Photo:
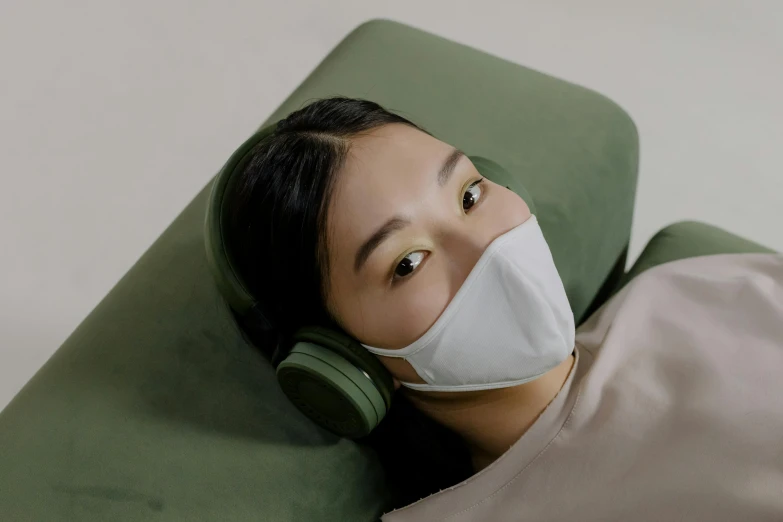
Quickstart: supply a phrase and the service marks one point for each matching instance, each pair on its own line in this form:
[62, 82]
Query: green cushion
[690, 239]
[157, 409]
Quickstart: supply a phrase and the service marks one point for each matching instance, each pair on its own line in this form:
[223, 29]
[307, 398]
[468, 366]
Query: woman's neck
[491, 421]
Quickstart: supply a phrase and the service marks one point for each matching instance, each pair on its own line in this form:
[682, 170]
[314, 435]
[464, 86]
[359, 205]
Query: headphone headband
[219, 256]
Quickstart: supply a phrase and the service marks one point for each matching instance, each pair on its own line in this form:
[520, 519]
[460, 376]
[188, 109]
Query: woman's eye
[472, 195]
[408, 264]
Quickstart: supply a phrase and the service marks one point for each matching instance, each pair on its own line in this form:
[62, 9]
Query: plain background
[114, 114]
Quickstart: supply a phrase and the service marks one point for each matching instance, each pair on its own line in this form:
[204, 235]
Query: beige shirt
[673, 410]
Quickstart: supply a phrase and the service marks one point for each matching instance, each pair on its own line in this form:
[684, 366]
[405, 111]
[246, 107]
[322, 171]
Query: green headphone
[327, 374]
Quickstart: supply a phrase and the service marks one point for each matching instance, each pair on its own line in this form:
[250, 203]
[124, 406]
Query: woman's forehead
[387, 165]
[391, 146]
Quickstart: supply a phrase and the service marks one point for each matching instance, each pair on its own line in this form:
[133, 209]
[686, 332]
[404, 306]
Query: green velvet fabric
[157, 409]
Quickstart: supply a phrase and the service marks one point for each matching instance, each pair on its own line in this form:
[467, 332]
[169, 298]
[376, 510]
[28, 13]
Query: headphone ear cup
[331, 391]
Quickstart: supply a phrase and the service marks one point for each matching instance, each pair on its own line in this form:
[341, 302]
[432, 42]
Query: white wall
[114, 114]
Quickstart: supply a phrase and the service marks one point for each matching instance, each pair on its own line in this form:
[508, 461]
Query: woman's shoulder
[719, 266]
[705, 282]
[741, 283]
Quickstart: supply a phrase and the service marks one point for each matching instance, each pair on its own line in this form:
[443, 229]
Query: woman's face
[409, 218]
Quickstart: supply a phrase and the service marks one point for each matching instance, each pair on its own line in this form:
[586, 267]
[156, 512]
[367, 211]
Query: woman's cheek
[417, 308]
[394, 318]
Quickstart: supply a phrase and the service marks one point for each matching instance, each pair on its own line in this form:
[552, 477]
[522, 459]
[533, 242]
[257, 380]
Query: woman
[667, 404]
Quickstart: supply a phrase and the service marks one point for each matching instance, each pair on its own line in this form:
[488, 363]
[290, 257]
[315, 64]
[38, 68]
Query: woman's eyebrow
[447, 169]
[394, 224]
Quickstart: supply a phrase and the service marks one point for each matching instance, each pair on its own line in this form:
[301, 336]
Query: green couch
[156, 408]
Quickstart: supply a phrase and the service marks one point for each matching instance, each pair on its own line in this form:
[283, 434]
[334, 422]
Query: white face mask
[508, 324]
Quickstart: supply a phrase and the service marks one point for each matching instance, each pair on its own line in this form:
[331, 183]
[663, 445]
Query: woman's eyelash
[471, 195]
[408, 265]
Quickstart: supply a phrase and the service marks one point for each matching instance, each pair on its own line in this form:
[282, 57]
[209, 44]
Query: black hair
[277, 237]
